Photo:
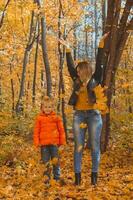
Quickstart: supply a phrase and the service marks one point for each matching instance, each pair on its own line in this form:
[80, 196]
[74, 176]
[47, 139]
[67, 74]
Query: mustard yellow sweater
[83, 102]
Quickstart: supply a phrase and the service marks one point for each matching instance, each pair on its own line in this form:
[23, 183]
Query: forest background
[32, 64]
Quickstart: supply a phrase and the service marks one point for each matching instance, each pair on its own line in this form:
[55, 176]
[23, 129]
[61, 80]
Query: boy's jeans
[49, 152]
[92, 119]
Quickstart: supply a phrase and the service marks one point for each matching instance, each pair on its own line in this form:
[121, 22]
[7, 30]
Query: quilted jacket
[49, 129]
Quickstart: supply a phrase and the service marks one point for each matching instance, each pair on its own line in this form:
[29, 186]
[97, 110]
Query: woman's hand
[101, 43]
[105, 35]
[65, 43]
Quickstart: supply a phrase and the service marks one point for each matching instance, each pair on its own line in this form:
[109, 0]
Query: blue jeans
[93, 122]
[49, 152]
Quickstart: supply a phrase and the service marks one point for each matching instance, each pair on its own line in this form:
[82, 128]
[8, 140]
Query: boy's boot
[94, 178]
[77, 178]
[46, 175]
[56, 172]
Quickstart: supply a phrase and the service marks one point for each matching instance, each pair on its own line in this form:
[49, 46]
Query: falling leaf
[83, 125]
[126, 85]
[62, 96]
[68, 110]
[101, 100]
[32, 162]
[55, 161]
[80, 147]
[52, 182]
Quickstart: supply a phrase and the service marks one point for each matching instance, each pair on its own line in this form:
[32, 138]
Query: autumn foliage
[21, 47]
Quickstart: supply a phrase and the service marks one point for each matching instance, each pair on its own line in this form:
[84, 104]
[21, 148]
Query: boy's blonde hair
[47, 99]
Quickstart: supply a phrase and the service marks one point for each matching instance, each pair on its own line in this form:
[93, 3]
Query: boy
[49, 134]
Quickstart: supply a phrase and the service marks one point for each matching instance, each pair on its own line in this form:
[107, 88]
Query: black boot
[94, 178]
[77, 178]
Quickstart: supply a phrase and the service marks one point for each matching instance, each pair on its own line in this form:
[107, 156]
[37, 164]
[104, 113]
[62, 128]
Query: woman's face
[84, 73]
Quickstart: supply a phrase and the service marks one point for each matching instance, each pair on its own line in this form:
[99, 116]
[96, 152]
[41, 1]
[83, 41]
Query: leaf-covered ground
[21, 173]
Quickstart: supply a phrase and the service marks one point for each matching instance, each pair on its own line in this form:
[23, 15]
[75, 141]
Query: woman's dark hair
[83, 65]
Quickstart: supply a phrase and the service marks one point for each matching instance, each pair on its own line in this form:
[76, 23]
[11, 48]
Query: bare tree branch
[124, 18]
[130, 25]
[3, 14]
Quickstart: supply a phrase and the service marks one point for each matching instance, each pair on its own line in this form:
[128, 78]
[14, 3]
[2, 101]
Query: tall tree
[61, 63]
[31, 39]
[44, 50]
[96, 25]
[104, 6]
[119, 26]
[35, 67]
[3, 13]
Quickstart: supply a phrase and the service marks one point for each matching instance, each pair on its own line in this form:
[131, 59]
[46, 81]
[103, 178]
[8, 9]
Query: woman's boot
[77, 178]
[94, 178]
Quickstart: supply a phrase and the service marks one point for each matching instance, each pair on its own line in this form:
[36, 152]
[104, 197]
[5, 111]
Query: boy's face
[47, 107]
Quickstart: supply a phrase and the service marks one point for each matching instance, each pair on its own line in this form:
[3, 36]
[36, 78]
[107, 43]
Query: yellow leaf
[62, 96]
[32, 162]
[125, 85]
[52, 182]
[101, 99]
[80, 148]
[55, 161]
[83, 125]
[68, 110]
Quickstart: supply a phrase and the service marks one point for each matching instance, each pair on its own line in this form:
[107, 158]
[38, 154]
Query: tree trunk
[103, 14]
[3, 14]
[61, 62]
[127, 90]
[45, 57]
[96, 26]
[19, 106]
[44, 51]
[75, 44]
[35, 68]
[12, 90]
[0, 85]
[113, 50]
[86, 37]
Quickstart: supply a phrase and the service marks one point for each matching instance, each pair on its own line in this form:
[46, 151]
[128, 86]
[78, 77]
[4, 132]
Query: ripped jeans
[83, 120]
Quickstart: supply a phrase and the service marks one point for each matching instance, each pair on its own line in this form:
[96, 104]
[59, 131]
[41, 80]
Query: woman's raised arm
[69, 59]
[99, 59]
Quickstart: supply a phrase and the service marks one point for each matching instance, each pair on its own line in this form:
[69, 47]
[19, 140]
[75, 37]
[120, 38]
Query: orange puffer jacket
[49, 130]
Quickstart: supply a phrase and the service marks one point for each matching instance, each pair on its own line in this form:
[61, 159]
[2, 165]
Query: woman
[85, 116]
